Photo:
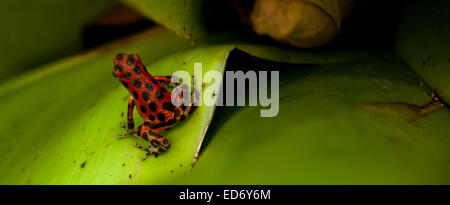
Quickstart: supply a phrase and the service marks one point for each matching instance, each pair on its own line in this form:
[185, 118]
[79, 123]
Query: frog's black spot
[154, 81]
[151, 117]
[146, 123]
[182, 117]
[137, 69]
[149, 86]
[144, 135]
[119, 57]
[159, 95]
[127, 75]
[130, 125]
[114, 74]
[161, 117]
[135, 95]
[145, 95]
[163, 90]
[143, 109]
[137, 84]
[130, 59]
[118, 68]
[177, 112]
[152, 106]
[169, 106]
[124, 84]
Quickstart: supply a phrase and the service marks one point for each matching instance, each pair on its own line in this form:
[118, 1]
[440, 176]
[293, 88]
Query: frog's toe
[127, 134]
[121, 136]
[123, 125]
[151, 150]
[131, 132]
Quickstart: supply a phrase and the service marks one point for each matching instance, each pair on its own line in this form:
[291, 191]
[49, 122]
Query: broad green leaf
[338, 123]
[353, 119]
[61, 122]
[37, 32]
[184, 17]
[64, 117]
[423, 41]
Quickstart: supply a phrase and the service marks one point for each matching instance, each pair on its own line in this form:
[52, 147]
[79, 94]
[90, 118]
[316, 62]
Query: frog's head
[126, 66]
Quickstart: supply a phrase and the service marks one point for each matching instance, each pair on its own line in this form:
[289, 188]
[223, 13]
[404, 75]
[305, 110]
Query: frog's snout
[124, 64]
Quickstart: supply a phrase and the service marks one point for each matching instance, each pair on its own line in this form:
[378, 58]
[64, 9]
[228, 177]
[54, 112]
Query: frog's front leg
[150, 150]
[130, 120]
[156, 142]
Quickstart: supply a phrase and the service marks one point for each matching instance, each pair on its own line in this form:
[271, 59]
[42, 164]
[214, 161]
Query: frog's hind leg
[156, 143]
[150, 150]
[155, 139]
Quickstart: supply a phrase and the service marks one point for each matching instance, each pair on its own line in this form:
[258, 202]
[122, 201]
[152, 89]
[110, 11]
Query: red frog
[152, 98]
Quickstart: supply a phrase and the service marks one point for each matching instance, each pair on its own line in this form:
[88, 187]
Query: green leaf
[61, 122]
[423, 39]
[345, 118]
[37, 32]
[328, 132]
[184, 17]
[63, 119]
